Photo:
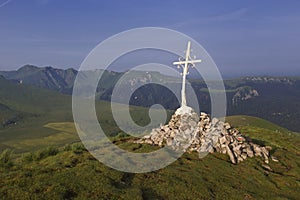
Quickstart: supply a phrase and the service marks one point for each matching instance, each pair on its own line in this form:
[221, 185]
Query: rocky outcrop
[180, 133]
[188, 132]
[243, 94]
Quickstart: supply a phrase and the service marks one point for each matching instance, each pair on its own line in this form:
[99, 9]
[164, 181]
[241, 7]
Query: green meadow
[70, 172]
[41, 157]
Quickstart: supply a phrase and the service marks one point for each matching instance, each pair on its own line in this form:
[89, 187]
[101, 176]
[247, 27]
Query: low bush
[78, 148]
[49, 151]
[6, 157]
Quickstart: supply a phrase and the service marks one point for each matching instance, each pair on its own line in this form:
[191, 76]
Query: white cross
[185, 64]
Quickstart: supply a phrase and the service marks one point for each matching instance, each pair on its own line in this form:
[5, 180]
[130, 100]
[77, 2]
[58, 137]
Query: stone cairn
[189, 132]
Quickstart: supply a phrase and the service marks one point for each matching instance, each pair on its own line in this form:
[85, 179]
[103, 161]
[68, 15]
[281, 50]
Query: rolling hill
[49, 162]
[25, 110]
[28, 113]
[72, 173]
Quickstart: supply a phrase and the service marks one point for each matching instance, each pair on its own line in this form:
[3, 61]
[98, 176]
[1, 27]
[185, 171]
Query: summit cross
[185, 64]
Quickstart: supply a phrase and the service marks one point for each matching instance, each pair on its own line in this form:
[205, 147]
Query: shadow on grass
[259, 142]
[149, 194]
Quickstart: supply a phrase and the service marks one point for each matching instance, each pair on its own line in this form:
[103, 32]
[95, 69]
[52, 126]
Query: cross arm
[188, 62]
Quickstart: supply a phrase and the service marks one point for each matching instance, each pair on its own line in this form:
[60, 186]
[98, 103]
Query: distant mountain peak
[28, 67]
[71, 69]
[49, 68]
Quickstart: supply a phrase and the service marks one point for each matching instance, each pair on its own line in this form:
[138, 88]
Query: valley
[272, 98]
[40, 147]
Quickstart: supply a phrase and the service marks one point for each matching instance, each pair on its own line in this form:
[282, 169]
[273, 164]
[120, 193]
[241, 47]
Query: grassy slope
[74, 174]
[34, 108]
[265, 132]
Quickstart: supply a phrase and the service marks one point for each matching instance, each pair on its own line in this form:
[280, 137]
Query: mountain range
[273, 98]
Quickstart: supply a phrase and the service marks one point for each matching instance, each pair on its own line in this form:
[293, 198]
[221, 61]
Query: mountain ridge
[245, 95]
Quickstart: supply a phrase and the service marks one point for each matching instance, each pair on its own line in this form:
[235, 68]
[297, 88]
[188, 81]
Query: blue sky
[243, 37]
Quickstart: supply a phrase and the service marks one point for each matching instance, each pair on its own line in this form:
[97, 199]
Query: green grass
[36, 132]
[265, 132]
[47, 164]
[69, 175]
[243, 120]
[72, 173]
[23, 139]
[44, 117]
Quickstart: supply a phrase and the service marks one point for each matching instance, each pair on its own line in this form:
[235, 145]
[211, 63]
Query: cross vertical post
[185, 64]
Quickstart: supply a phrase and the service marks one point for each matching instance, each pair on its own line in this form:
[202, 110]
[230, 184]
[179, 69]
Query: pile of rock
[188, 132]
[179, 133]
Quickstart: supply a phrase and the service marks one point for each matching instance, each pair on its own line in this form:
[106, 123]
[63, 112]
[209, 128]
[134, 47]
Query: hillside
[25, 110]
[28, 114]
[266, 133]
[272, 98]
[72, 173]
[49, 163]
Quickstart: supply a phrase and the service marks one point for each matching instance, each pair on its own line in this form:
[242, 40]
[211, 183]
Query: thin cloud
[237, 14]
[230, 16]
[4, 3]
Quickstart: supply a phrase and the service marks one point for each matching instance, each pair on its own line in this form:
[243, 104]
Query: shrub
[49, 151]
[28, 157]
[78, 148]
[68, 147]
[6, 157]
